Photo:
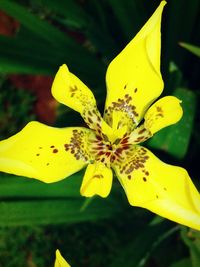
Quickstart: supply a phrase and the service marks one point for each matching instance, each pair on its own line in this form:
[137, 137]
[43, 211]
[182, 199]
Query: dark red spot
[98, 176]
[98, 118]
[52, 146]
[98, 137]
[135, 90]
[109, 147]
[129, 177]
[142, 131]
[159, 109]
[101, 153]
[113, 158]
[119, 150]
[90, 120]
[77, 156]
[66, 147]
[125, 147]
[144, 179]
[125, 140]
[55, 150]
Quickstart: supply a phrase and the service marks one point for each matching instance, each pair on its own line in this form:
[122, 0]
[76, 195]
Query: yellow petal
[69, 90]
[60, 261]
[97, 180]
[163, 113]
[133, 77]
[161, 188]
[45, 153]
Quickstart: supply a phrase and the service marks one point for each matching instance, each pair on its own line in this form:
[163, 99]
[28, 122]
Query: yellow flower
[60, 261]
[133, 83]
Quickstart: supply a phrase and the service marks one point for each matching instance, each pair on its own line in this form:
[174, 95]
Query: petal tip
[63, 68]
[163, 3]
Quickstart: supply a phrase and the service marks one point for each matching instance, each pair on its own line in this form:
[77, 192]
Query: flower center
[108, 152]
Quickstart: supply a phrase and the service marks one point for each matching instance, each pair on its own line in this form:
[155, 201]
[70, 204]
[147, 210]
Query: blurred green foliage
[9, 96]
[192, 48]
[87, 34]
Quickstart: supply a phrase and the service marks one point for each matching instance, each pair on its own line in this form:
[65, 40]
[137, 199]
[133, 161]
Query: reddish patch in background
[8, 25]
[45, 104]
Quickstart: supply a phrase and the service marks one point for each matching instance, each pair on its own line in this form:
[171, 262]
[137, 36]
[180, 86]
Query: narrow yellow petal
[60, 261]
[161, 188]
[45, 153]
[69, 90]
[162, 113]
[135, 73]
[97, 180]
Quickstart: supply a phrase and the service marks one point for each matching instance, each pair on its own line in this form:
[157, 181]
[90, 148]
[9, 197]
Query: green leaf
[20, 56]
[45, 56]
[175, 79]
[74, 16]
[193, 49]
[192, 239]
[182, 263]
[38, 212]
[13, 187]
[26, 201]
[181, 21]
[130, 15]
[32, 57]
[37, 26]
[136, 253]
[175, 139]
[70, 10]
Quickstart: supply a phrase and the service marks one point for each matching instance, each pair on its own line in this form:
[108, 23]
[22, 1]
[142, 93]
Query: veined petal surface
[45, 153]
[97, 180]
[161, 188]
[162, 113]
[60, 261]
[72, 92]
[133, 78]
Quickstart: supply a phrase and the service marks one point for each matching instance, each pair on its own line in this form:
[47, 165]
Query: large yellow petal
[161, 188]
[133, 78]
[162, 113]
[69, 90]
[60, 261]
[97, 180]
[45, 153]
